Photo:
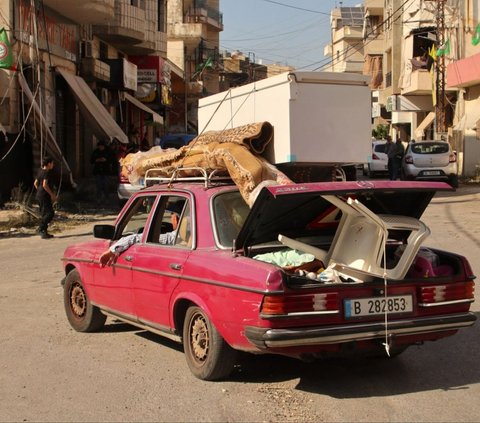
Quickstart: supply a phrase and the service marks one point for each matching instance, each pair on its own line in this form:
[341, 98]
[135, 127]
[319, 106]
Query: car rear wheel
[208, 356]
[82, 315]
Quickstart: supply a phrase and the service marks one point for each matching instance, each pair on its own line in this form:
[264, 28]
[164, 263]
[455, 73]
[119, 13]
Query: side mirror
[104, 231]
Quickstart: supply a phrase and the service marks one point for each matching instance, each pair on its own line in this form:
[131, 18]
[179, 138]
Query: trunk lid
[292, 209]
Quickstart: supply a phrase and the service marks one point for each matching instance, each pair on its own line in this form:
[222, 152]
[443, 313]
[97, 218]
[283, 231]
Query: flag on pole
[433, 55]
[6, 56]
[476, 36]
[444, 49]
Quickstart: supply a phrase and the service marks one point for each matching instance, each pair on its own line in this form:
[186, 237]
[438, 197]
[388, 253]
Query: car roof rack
[208, 176]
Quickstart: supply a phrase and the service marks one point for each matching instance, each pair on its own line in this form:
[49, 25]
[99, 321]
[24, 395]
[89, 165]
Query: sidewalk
[16, 221]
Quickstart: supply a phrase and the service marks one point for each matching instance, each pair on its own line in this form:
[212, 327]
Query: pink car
[311, 270]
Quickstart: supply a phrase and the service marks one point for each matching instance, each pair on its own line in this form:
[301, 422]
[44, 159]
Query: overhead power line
[351, 49]
[297, 8]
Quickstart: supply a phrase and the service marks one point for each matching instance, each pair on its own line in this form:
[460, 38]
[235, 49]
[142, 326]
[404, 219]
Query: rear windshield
[230, 212]
[380, 148]
[430, 148]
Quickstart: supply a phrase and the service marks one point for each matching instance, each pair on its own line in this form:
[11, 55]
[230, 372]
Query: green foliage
[380, 132]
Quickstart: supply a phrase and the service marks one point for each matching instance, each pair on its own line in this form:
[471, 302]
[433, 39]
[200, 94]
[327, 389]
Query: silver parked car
[430, 160]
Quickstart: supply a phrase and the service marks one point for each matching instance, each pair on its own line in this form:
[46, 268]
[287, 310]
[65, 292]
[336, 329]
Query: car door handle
[175, 266]
[128, 258]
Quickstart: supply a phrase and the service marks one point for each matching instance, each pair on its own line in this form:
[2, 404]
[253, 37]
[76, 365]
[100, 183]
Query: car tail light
[451, 293]
[375, 157]
[409, 159]
[452, 158]
[291, 305]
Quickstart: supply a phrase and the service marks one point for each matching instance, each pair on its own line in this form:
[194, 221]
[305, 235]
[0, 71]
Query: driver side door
[114, 283]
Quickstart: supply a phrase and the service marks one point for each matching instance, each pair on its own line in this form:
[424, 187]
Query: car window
[229, 213]
[172, 222]
[137, 216]
[380, 148]
[430, 148]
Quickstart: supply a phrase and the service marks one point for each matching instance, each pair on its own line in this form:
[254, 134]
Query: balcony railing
[204, 14]
[388, 79]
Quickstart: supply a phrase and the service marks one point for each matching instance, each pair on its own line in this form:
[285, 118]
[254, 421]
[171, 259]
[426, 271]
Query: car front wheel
[82, 315]
[208, 356]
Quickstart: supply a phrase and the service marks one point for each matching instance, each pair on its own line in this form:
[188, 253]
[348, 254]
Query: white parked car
[378, 161]
[430, 160]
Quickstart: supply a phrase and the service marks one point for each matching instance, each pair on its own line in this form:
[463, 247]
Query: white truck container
[318, 117]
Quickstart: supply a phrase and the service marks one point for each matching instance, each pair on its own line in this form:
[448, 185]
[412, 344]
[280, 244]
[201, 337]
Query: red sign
[151, 69]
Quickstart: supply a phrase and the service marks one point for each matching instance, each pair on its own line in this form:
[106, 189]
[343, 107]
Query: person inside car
[109, 256]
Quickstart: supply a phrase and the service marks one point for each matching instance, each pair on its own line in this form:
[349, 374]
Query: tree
[380, 132]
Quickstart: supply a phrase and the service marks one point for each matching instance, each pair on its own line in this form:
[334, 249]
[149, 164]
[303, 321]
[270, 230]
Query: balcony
[191, 34]
[419, 83]
[374, 7]
[204, 15]
[348, 33]
[94, 69]
[127, 27]
[95, 12]
[374, 46]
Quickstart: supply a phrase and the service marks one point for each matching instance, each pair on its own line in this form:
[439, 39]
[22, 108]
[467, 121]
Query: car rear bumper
[429, 173]
[265, 338]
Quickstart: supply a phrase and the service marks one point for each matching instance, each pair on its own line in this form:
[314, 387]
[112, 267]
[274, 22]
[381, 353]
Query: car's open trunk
[356, 233]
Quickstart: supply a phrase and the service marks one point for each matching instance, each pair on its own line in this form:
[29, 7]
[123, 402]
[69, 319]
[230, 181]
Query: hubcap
[78, 301]
[199, 337]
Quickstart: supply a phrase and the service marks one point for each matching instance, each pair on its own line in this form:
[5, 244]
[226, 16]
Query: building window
[103, 50]
[162, 16]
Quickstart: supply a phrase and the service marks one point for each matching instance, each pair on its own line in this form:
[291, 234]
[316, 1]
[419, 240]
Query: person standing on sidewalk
[101, 161]
[45, 196]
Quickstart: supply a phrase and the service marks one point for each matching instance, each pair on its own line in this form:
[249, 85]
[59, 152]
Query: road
[51, 373]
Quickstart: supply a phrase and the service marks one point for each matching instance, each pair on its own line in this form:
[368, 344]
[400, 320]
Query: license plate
[360, 307]
[431, 172]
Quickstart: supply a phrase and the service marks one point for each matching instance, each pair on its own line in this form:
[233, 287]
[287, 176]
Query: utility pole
[440, 63]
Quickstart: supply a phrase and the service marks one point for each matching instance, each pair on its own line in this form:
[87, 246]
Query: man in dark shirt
[45, 196]
[102, 166]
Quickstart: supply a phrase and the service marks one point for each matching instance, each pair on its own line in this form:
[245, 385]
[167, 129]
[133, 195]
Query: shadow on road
[448, 364]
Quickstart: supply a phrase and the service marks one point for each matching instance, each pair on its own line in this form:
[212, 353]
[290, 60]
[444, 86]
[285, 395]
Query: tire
[369, 172]
[82, 315]
[208, 356]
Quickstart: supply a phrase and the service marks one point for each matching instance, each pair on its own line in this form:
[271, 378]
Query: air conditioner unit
[86, 48]
[105, 96]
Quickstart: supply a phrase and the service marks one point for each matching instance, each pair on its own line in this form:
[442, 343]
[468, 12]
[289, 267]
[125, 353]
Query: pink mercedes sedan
[311, 270]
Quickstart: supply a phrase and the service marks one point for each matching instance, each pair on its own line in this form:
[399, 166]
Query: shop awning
[176, 70]
[469, 121]
[40, 122]
[424, 125]
[137, 103]
[102, 123]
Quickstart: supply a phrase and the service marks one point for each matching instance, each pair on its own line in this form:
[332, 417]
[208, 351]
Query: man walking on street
[45, 196]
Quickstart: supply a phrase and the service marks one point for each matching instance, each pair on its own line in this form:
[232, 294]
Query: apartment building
[99, 69]
[421, 56]
[346, 47]
[193, 29]
[463, 75]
